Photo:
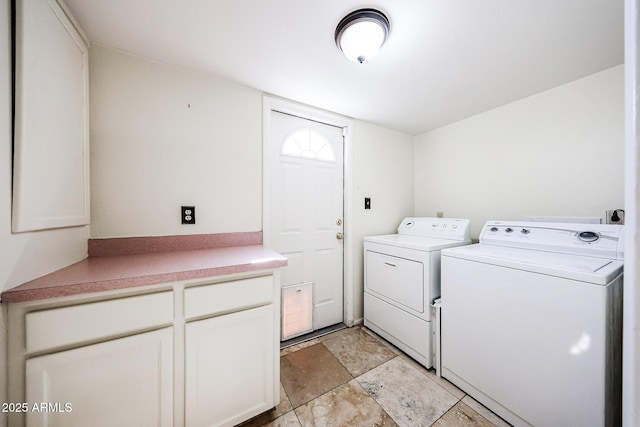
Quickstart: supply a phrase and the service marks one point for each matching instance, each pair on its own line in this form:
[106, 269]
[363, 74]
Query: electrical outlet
[439, 214]
[188, 214]
[615, 216]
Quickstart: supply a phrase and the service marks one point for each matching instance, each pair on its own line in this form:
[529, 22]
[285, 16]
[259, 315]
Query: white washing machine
[402, 278]
[532, 325]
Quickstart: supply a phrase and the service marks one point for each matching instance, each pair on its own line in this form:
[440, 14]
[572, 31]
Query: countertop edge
[25, 293]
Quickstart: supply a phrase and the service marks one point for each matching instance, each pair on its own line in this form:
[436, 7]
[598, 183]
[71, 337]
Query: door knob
[339, 236]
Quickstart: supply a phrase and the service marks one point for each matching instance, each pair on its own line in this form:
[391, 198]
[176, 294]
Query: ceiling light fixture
[360, 34]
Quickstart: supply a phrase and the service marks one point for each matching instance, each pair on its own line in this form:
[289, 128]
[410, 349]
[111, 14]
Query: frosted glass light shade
[361, 34]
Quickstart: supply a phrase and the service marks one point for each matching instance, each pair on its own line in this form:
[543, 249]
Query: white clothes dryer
[402, 279]
[532, 325]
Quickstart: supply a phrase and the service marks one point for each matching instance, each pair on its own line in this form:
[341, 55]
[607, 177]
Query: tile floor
[355, 378]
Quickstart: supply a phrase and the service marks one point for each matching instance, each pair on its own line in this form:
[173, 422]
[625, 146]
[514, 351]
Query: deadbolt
[339, 221]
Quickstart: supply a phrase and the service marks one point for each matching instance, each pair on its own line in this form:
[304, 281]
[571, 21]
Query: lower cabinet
[122, 382]
[197, 353]
[229, 362]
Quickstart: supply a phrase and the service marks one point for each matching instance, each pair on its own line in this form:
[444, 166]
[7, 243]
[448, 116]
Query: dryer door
[397, 279]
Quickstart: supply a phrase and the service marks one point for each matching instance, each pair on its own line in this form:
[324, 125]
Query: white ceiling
[445, 60]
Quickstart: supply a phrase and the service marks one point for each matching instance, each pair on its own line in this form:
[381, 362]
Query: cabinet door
[51, 158]
[124, 382]
[230, 367]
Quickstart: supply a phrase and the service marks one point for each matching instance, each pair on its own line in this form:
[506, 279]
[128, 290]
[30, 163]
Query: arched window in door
[309, 145]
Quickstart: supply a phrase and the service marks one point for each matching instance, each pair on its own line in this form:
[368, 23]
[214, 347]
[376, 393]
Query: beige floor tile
[311, 372]
[324, 393]
[409, 397]
[287, 420]
[387, 344]
[358, 351]
[283, 407]
[431, 374]
[482, 410]
[462, 416]
[300, 346]
[347, 405]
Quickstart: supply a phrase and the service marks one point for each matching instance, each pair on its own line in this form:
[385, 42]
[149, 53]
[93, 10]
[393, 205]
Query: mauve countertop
[105, 273]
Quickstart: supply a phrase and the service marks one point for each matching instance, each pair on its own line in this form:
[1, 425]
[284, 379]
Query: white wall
[23, 256]
[382, 170]
[151, 153]
[557, 153]
[163, 137]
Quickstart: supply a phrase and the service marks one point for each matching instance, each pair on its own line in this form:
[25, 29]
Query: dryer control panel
[597, 240]
[441, 228]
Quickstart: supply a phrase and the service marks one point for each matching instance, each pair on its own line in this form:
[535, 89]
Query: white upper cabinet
[51, 130]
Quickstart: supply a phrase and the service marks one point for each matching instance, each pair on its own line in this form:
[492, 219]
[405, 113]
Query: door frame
[631, 300]
[270, 104]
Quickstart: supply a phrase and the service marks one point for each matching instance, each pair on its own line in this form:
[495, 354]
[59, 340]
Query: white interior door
[307, 209]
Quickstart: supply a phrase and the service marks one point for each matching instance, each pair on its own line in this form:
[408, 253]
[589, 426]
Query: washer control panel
[443, 228]
[600, 240]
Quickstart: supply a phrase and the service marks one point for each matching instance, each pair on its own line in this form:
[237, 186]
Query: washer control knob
[494, 229]
[454, 226]
[509, 230]
[588, 236]
[525, 231]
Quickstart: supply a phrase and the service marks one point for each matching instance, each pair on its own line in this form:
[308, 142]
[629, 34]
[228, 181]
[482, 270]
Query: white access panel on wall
[51, 158]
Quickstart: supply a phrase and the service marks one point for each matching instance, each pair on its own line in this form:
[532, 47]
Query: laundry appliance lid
[576, 267]
[421, 243]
